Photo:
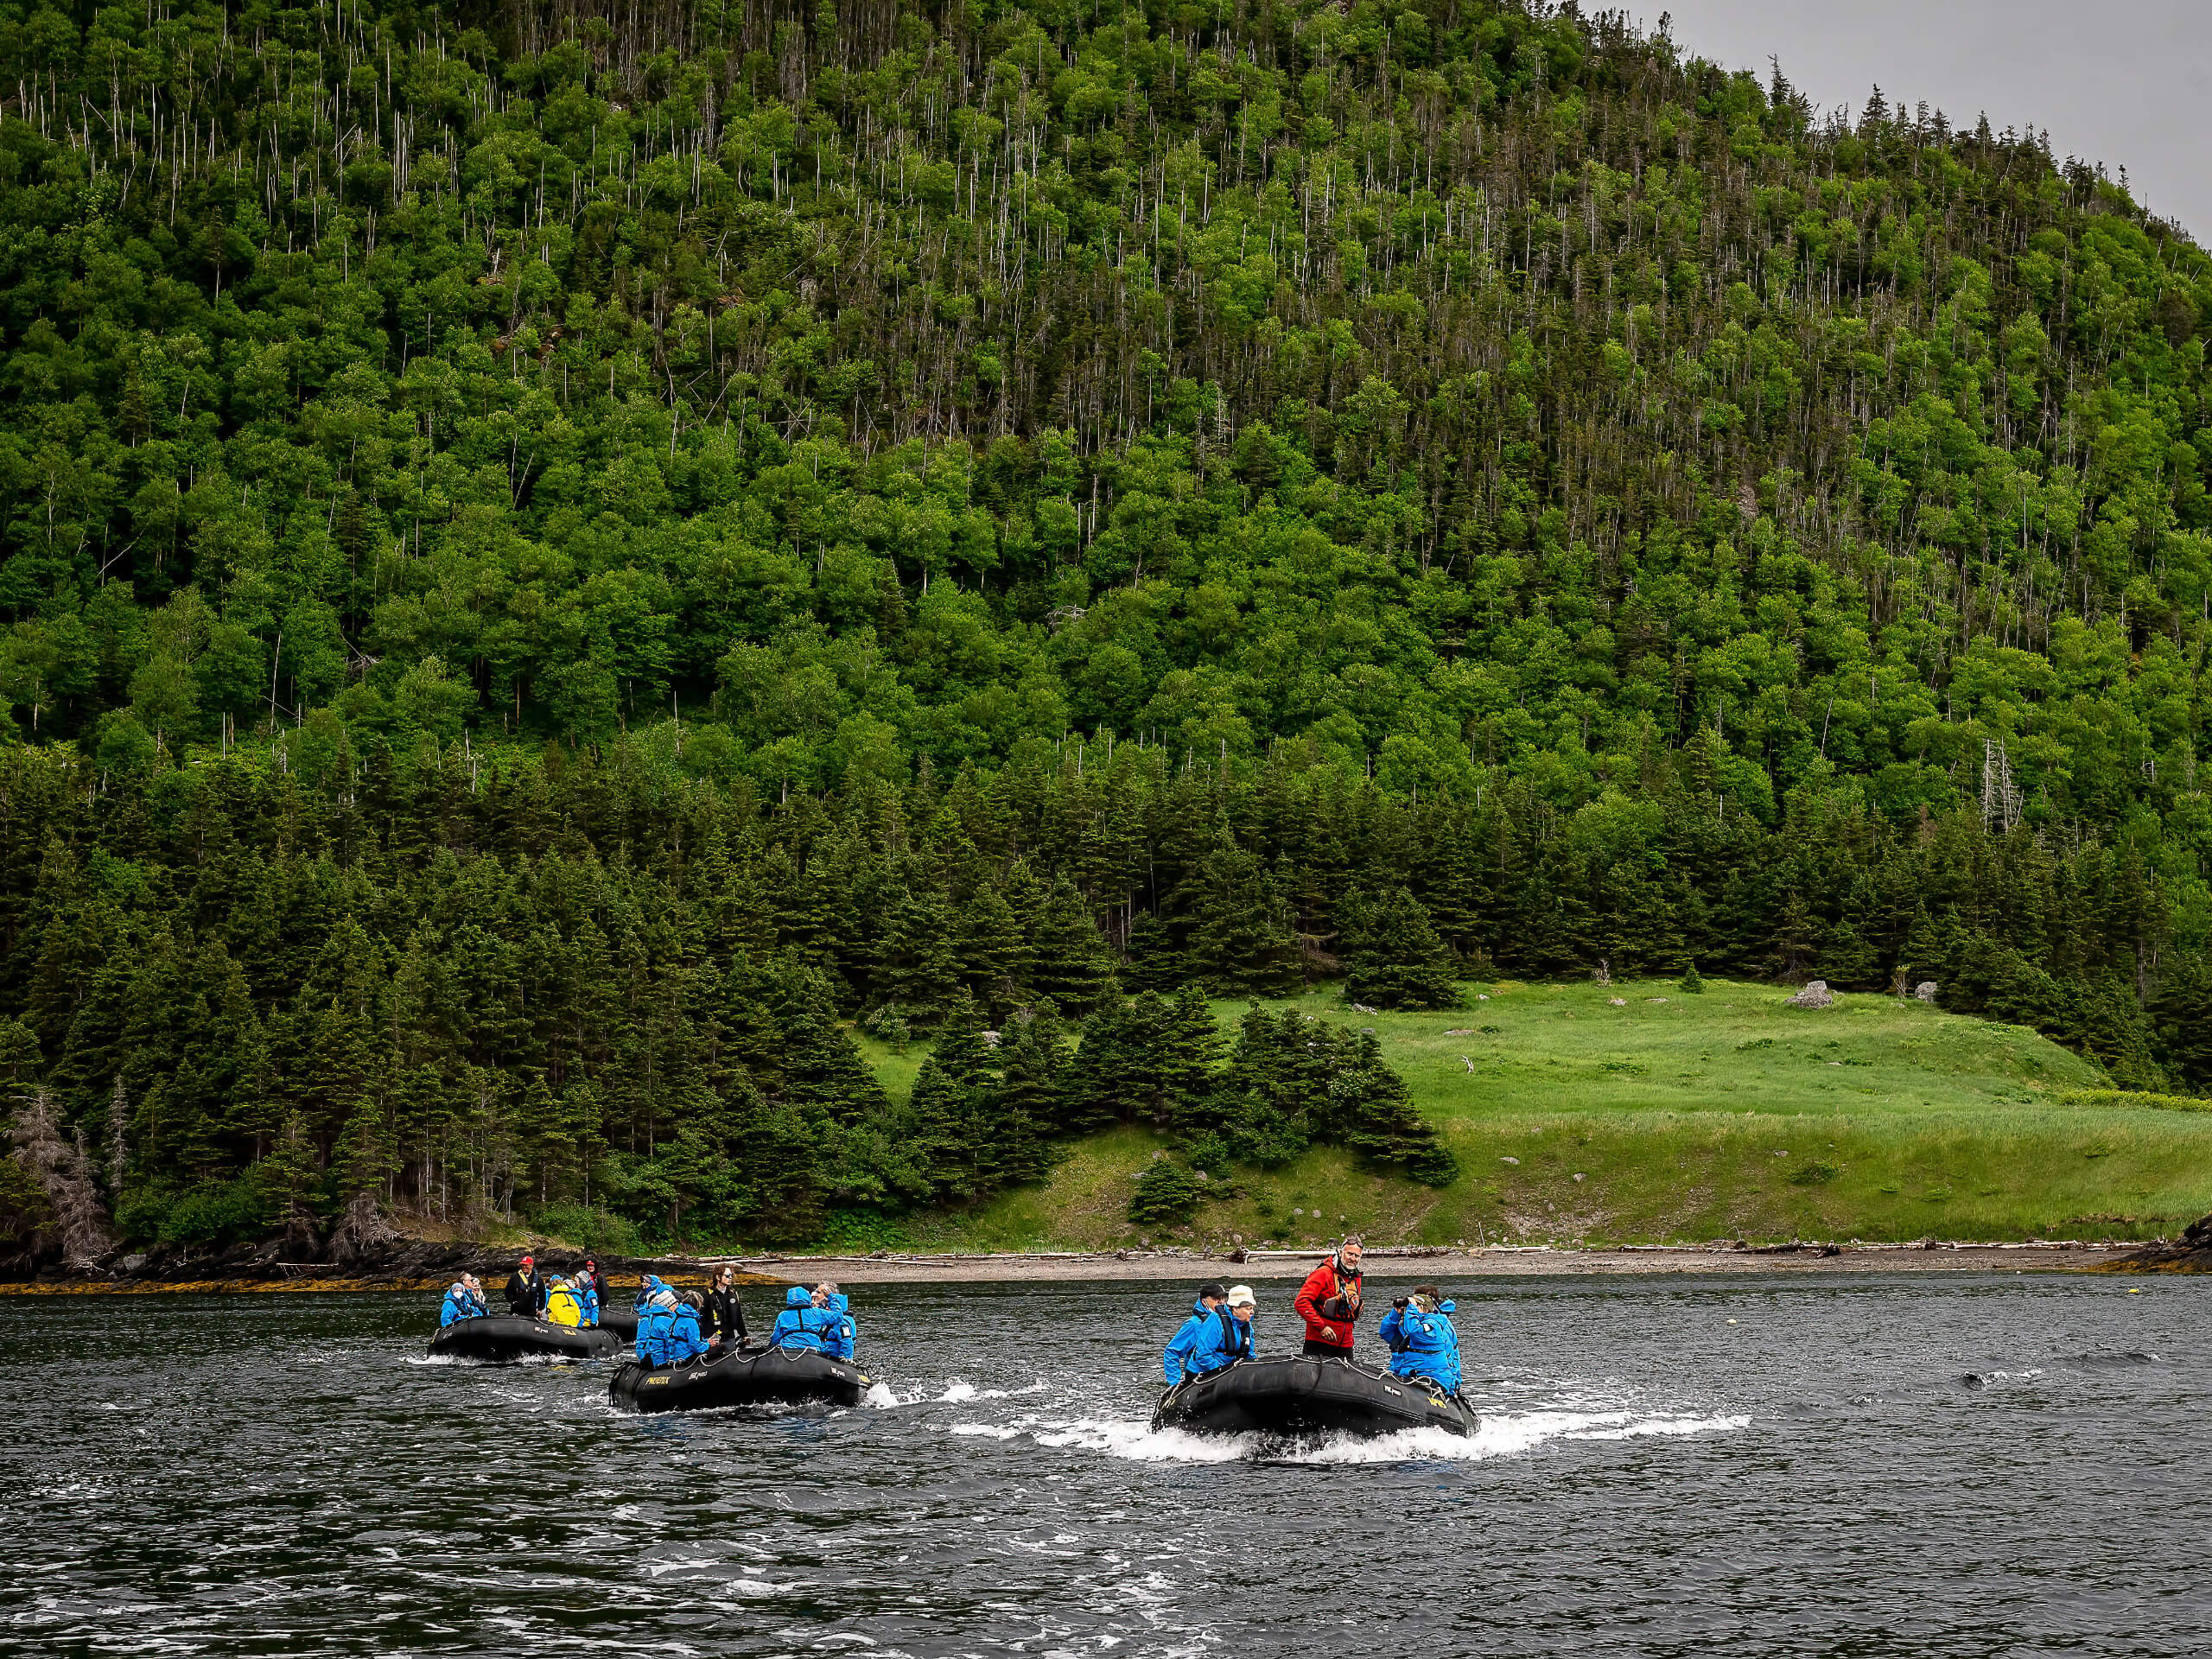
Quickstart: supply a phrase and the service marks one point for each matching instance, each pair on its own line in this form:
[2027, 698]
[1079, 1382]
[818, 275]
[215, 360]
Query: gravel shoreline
[1502, 1261]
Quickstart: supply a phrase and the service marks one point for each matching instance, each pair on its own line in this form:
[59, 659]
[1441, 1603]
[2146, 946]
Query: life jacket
[564, 1306]
[1330, 1297]
[1236, 1336]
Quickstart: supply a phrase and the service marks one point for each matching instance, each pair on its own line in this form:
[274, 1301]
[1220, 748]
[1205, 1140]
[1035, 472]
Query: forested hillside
[554, 553]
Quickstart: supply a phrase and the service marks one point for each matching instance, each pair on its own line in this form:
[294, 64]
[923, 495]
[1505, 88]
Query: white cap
[1241, 1296]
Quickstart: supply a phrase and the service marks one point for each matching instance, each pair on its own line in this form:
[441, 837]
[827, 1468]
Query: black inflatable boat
[503, 1337]
[749, 1377]
[1300, 1398]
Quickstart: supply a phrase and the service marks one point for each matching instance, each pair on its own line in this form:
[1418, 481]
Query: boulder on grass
[1815, 995]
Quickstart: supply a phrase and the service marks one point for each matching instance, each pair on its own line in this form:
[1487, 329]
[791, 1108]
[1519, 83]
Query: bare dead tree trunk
[63, 1169]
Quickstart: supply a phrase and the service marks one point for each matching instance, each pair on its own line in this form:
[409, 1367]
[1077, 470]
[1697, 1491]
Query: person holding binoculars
[1423, 1344]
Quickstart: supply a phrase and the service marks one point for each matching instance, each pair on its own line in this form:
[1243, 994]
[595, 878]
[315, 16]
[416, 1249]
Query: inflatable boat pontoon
[501, 1338]
[748, 1377]
[1302, 1398]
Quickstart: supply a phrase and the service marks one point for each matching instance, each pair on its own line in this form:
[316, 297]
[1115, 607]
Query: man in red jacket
[1329, 1302]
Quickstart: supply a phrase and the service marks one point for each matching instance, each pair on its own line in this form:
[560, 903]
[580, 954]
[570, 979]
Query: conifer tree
[1378, 1116]
[945, 1114]
[1068, 962]
[1240, 936]
[993, 953]
[918, 971]
[822, 1074]
[1393, 959]
[1026, 1105]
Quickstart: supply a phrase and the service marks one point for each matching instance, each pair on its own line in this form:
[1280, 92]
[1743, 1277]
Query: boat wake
[1499, 1436]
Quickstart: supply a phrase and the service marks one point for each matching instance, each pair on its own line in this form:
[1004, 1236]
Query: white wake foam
[1498, 1436]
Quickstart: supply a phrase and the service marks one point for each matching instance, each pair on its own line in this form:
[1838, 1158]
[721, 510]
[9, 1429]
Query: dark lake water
[1667, 1466]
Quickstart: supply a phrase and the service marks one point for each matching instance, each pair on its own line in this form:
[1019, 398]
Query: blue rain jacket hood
[1423, 1345]
[462, 1303]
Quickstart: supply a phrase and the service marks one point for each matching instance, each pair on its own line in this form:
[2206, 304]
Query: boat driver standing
[1329, 1302]
[526, 1291]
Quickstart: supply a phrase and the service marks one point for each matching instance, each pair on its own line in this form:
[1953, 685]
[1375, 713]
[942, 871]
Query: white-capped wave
[1143, 1444]
[958, 1393]
[986, 1431]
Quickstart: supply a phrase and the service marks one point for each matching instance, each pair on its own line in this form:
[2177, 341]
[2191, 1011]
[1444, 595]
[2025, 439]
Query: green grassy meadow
[1633, 1113]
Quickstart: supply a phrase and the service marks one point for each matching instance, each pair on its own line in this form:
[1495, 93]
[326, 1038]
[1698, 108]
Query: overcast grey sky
[2124, 82]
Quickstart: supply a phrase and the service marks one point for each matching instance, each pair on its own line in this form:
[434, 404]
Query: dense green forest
[554, 555]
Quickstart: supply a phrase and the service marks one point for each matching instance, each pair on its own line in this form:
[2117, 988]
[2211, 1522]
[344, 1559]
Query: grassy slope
[1725, 1114]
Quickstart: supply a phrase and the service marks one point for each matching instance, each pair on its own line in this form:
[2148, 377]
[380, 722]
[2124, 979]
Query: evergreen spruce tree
[1154, 962]
[822, 1074]
[918, 971]
[1393, 959]
[1240, 937]
[1068, 962]
[1189, 1045]
[1379, 1119]
[993, 953]
[945, 1113]
[1166, 1194]
[19, 1055]
[1026, 1105]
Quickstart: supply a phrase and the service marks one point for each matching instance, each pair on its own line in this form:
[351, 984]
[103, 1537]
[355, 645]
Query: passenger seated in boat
[655, 1309]
[1423, 1344]
[1218, 1334]
[816, 1320]
[682, 1339]
[571, 1301]
[464, 1301]
[589, 1274]
[839, 1340]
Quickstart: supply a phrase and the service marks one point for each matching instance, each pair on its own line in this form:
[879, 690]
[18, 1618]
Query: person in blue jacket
[587, 1293]
[839, 1338]
[681, 1338]
[1423, 1344]
[793, 1328]
[815, 1319]
[656, 1312]
[1175, 1360]
[1218, 1333]
[464, 1301]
